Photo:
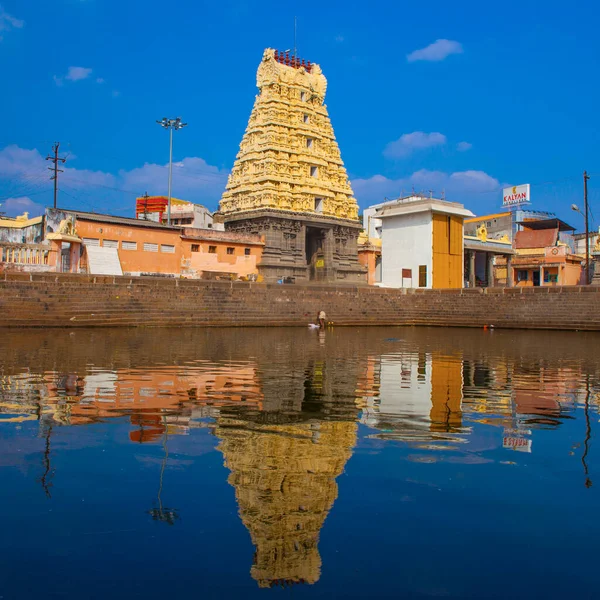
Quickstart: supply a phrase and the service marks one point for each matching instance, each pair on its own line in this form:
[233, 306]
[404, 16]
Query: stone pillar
[510, 280]
[74, 256]
[490, 269]
[58, 257]
[471, 268]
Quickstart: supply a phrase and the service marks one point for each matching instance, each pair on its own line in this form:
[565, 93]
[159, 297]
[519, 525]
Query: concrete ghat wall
[50, 300]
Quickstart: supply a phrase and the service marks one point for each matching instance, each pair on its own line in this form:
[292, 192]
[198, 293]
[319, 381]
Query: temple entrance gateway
[288, 183]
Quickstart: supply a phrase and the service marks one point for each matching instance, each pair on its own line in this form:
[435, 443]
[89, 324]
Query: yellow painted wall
[447, 251]
[446, 392]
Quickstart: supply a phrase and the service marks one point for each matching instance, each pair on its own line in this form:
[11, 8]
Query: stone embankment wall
[50, 300]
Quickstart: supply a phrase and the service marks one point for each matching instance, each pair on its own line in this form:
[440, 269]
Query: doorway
[315, 256]
[536, 277]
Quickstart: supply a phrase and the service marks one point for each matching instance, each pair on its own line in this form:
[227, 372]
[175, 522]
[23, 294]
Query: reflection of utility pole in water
[162, 513]
[47, 476]
[588, 433]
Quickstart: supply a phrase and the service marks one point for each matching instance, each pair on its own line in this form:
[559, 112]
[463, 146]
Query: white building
[422, 242]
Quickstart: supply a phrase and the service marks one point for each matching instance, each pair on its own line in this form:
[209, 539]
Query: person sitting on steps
[322, 319]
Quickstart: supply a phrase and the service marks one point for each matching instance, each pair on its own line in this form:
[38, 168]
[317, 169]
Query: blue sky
[463, 96]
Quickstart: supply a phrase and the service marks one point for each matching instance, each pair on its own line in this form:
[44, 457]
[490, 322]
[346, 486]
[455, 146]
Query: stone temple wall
[52, 300]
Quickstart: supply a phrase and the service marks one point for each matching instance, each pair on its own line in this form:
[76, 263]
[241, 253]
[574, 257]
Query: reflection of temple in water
[284, 463]
[284, 480]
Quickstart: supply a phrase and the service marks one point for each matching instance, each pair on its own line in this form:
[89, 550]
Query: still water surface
[381, 462]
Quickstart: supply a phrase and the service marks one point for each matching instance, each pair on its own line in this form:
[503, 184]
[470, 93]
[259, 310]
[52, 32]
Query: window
[422, 275]
[319, 205]
[309, 142]
[110, 243]
[305, 118]
[314, 171]
[303, 96]
[167, 248]
[91, 242]
[522, 275]
[128, 245]
[195, 247]
[212, 249]
[247, 251]
[550, 277]
[230, 250]
[150, 247]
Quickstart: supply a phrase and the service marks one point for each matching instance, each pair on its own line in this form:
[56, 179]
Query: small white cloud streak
[78, 73]
[8, 22]
[411, 142]
[439, 50]
[463, 146]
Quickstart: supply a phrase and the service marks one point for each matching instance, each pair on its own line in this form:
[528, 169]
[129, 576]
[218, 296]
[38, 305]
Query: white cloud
[458, 186]
[439, 50]
[8, 22]
[463, 146]
[17, 206]
[100, 80]
[78, 73]
[409, 142]
[74, 74]
[193, 179]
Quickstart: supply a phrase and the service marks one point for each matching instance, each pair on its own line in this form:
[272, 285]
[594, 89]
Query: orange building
[541, 258]
[369, 255]
[104, 244]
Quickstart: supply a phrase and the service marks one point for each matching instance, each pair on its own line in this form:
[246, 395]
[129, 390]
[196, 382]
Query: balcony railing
[24, 254]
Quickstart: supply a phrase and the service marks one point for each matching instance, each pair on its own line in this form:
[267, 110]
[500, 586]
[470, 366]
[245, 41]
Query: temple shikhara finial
[288, 181]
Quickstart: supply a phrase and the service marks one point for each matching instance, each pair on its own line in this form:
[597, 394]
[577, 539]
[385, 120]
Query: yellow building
[288, 181]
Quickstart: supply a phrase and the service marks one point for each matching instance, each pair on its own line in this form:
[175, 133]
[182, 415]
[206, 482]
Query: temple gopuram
[288, 182]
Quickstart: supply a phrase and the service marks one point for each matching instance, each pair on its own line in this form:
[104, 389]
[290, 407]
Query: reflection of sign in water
[519, 444]
[517, 194]
[320, 263]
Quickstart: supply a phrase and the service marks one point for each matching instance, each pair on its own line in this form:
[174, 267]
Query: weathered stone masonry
[51, 300]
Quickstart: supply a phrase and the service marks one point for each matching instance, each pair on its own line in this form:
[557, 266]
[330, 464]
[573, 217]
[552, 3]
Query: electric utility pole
[587, 228]
[55, 159]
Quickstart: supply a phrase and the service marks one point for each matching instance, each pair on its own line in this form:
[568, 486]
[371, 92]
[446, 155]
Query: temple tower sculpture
[288, 182]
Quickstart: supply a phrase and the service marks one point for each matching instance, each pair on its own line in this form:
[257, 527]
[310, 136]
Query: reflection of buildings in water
[147, 395]
[419, 398]
[513, 394]
[284, 479]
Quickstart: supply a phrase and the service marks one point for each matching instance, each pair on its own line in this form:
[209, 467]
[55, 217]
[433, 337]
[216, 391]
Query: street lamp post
[585, 215]
[171, 124]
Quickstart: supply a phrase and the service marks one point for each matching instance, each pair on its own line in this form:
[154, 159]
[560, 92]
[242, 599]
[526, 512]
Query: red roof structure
[541, 238]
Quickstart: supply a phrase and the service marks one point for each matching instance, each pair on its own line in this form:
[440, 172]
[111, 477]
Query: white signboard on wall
[515, 195]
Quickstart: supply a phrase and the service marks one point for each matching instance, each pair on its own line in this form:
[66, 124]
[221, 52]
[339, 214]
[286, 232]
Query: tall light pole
[587, 226]
[171, 124]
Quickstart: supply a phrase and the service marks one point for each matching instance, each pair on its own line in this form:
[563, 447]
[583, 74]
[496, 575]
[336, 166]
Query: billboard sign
[515, 195]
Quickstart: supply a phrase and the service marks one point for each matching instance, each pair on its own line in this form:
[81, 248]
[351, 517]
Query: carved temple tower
[289, 183]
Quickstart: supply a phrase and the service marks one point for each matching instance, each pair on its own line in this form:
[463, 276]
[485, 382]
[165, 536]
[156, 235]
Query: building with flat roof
[183, 212]
[422, 243]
